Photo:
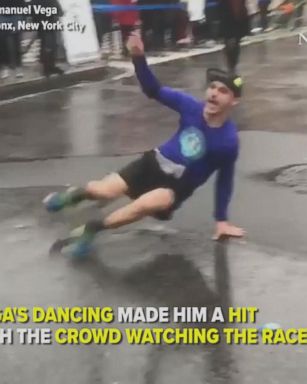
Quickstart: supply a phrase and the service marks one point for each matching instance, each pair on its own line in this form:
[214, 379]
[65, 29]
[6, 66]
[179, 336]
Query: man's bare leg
[148, 204]
[109, 188]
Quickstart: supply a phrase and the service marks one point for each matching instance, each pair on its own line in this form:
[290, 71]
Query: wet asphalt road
[73, 135]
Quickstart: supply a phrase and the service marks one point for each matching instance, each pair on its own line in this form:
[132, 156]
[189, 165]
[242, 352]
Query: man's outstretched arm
[223, 193]
[149, 83]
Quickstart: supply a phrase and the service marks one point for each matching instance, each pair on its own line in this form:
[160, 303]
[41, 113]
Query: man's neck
[215, 121]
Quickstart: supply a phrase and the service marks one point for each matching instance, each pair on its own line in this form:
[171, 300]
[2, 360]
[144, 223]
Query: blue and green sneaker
[82, 246]
[56, 201]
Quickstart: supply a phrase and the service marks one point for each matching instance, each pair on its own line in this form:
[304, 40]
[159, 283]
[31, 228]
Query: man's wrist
[137, 55]
[221, 222]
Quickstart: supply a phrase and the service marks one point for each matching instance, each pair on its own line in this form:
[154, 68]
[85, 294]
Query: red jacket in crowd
[126, 17]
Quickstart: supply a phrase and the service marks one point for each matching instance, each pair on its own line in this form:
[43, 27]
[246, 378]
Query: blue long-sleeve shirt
[200, 149]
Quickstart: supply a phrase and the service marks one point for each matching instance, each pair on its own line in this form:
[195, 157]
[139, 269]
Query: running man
[163, 178]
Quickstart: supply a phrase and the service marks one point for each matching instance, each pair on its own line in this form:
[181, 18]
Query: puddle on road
[293, 176]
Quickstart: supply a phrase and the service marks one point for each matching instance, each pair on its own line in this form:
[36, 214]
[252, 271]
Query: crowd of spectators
[198, 20]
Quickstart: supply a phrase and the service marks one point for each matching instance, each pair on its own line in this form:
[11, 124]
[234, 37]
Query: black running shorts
[144, 175]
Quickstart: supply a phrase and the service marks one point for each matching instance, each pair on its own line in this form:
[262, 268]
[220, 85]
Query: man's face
[219, 98]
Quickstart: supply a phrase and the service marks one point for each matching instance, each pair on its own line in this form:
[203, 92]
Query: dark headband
[233, 82]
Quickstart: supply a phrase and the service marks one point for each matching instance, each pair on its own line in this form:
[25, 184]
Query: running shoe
[56, 201]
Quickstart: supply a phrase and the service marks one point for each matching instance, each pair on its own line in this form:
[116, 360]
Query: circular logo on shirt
[192, 143]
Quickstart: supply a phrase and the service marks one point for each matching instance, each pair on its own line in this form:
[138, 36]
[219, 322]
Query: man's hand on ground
[135, 45]
[225, 229]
